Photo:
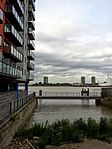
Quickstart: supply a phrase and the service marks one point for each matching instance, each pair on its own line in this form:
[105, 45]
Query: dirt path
[87, 144]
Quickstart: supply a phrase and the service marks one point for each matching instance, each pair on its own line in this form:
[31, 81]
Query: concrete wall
[106, 91]
[18, 121]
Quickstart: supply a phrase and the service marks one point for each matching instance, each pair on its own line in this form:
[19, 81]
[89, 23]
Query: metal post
[17, 93]
[26, 88]
[40, 92]
[10, 107]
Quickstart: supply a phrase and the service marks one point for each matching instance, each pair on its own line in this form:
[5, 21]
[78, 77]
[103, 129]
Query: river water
[53, 110]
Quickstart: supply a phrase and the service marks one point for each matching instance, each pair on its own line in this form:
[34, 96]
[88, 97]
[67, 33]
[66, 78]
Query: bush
[63, 131]
[25, 133]
[80, 125]
[103, 125]
[38, 129]
[92, 129]
[42, 144]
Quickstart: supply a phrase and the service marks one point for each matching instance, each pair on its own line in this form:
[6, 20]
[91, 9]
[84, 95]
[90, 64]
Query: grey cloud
[62, 65]
[81, 45]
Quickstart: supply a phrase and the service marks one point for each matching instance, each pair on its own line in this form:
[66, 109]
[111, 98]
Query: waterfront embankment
[106, 99]
[17, 119]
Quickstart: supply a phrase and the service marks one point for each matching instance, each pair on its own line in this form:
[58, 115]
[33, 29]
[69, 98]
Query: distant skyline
[73, 39]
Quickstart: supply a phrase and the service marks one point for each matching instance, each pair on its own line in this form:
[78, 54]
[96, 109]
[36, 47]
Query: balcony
[1, 16]
[32, 2]
[13, 17]
[19, 7]
[31, 35]
[11, 52]
[31, 45]
[31, 55]
[31, 12]
[30, 77]
[30, 66]
[31, 25]
[10, 71]
[13, 35]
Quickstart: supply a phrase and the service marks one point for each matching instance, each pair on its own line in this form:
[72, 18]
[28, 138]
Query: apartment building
[16, 43]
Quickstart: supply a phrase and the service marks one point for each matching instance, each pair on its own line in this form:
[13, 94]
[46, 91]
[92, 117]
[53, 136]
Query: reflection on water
[52, 110]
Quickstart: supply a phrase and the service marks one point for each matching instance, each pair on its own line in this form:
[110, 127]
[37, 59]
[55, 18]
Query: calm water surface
[53, 110]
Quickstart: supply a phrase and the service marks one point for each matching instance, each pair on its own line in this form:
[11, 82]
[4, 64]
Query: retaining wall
[106, 91]
[17, 121]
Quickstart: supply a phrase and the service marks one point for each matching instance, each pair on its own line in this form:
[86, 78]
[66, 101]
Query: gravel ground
[87, 144]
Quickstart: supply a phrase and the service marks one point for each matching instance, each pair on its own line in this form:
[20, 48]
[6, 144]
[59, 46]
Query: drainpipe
[17, 95]
[26, 88]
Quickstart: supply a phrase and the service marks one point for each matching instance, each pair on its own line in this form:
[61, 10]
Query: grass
[63, 131]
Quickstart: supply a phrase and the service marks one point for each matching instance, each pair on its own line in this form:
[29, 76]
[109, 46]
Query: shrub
[41, 144]
[56, 138]
[38, 129]
[92, 128]
[63, 131]
[80, 125]
[103, 125]
[25, 133]
[78, 136]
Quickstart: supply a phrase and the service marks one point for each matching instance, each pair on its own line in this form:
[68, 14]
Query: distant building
[82, 80]
[93, 80]
[108, 82]
[45, 80]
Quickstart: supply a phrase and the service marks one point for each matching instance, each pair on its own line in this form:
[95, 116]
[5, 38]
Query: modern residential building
[82, 80]
[16, 43]
[93, 80]
[45, 80]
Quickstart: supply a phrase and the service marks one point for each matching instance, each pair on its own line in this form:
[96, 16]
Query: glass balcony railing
[1, 16]
[31, 45]
[31, 55]
[30, 77]
[10, 9]
[13, 52]
[13, 35]
[30, 66]
[9, 70]
[31, 25]
[19, 6]
[31, 35]
[32, 2]
[31, 12]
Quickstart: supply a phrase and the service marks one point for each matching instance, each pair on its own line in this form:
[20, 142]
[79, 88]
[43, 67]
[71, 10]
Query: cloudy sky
[73, 39]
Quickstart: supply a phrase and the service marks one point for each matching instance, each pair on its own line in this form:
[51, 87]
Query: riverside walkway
[9, 105]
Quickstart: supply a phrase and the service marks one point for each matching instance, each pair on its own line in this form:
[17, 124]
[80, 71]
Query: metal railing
[71, 94]
[9, 70]
[7, 107]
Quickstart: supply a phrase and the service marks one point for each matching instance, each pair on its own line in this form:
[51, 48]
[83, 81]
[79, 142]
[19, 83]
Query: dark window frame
[1, 38]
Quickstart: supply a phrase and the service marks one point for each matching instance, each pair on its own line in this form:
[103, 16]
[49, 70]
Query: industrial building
[16, 43]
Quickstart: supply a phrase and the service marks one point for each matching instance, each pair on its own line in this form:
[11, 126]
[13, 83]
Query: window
[1, 16]
[24, 72]
[0, 41]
